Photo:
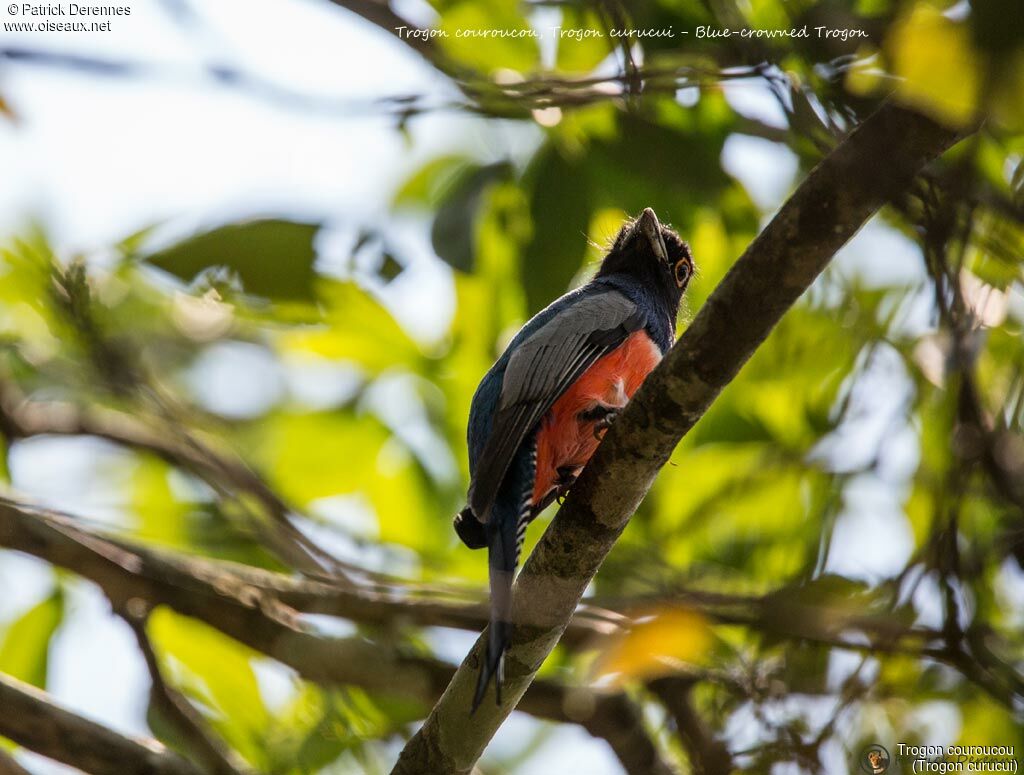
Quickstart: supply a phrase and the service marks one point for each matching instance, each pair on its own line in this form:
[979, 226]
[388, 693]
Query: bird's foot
[602, 417]
[602, 426]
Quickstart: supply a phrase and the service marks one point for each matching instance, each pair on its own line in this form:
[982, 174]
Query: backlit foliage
[890, 398]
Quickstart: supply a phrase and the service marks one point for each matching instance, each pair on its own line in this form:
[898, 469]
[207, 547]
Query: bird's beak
[651, 229]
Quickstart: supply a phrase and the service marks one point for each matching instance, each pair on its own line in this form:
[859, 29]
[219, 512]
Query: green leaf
[272, 258]
[585, 52]
[163, 518]
[166, 517]
[491, 53]
[132, 244]
[560, 209]
[994, 255]
[318, 725]
[357, 328]
[453, 234]
[936, 67]
[321, 454]
[217, 673]
[432, 182]
[5, 471]
[324, 454]
[24, 652]
[26, 266]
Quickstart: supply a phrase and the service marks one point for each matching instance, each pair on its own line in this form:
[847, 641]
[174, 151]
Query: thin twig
[216, 757]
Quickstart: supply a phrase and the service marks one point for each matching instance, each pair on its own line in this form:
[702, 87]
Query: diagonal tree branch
[32, 720]
[873, 164]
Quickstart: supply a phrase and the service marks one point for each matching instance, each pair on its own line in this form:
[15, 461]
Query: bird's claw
[602, 425]
[602, 416]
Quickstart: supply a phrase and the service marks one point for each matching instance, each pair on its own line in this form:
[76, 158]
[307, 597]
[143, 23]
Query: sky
[94, 159]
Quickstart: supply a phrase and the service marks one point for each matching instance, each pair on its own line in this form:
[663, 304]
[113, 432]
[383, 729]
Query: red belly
[565, 441]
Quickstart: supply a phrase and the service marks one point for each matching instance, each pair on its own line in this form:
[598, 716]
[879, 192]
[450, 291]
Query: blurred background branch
[210, 750]
[245, 605]
[31, 720]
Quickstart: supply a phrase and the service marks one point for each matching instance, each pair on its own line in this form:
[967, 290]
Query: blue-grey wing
[538, 371]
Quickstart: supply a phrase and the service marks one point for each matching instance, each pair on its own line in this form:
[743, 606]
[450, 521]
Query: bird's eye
[682, 271]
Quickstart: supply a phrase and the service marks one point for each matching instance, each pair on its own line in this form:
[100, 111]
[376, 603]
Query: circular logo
[874, 760]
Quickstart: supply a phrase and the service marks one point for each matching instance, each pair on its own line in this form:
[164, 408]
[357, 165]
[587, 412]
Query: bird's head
[653, 254]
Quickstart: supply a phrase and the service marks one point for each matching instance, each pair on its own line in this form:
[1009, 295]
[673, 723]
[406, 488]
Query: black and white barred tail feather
[505, 531]
[527, 511]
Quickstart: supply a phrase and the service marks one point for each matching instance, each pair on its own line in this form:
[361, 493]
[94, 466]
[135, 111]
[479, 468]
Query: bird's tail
[505, 531]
